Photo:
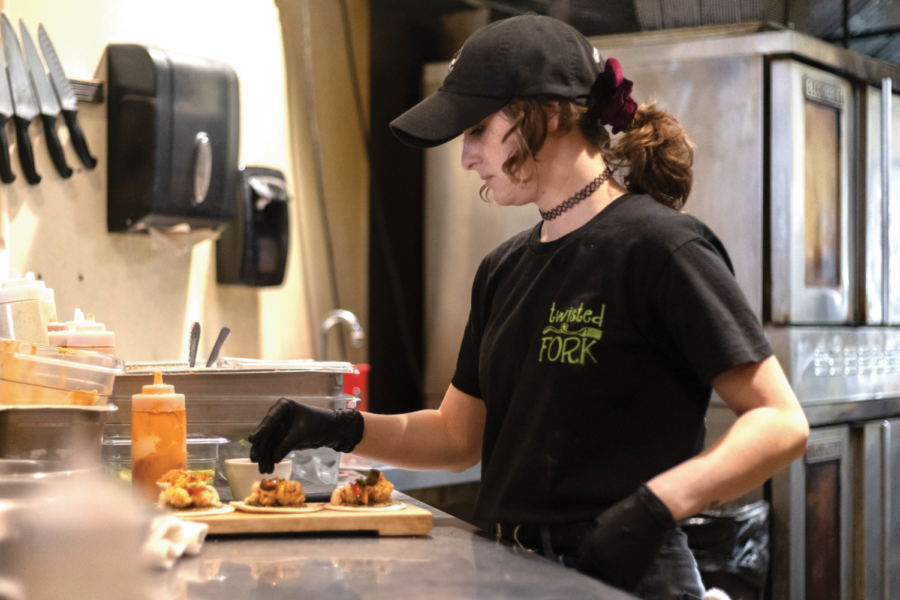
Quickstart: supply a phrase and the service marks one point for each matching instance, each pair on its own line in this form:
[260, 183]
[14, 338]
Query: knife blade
[66, 98]
[47, 101]
[193, 343]
[217, 348]
[24, 105]
[6, 111]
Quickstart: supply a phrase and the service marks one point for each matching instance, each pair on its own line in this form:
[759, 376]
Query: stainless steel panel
[882, 219]
[886, 200]
[798, 296]
[745, 39]
[892, 510]
[877, 553]
[882, 240]
[868, 551]
[874, 242]
[789, 515]
[839, 364]
[220, 383]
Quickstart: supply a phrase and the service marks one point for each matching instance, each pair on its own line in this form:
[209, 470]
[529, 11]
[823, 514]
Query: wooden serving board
[411, 520]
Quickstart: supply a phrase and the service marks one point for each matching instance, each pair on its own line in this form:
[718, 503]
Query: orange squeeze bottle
[158, 436]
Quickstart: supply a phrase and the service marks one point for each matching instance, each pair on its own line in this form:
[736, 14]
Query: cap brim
[443, 116]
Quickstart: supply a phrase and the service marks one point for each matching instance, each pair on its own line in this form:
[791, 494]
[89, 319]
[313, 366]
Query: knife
[6, 111]
[46, 98]
[220, 341]
[23, 99]
[193, 343]
[66, 98]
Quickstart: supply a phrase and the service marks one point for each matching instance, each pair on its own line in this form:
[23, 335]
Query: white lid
[91, 339]
[16, 281]
[58, 338]
[84, 332]
[18, 288]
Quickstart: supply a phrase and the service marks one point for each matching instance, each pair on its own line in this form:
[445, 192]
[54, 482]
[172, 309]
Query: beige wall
[343, 156]
[58, 228]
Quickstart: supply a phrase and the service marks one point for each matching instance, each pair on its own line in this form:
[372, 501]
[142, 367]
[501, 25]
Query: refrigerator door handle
[886, 94]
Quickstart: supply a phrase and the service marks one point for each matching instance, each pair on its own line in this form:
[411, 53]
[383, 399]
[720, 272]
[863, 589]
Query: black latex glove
[626, 539]
[290, 425]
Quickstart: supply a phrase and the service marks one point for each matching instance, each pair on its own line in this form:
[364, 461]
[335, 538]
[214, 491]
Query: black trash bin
[731, 547]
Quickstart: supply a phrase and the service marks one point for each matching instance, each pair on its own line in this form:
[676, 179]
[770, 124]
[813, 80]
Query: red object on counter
[357, 384]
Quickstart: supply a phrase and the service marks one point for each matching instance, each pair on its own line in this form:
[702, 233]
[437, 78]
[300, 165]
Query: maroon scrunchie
[613, 93]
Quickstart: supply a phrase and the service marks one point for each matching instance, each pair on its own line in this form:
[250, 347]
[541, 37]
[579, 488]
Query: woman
[594, 339]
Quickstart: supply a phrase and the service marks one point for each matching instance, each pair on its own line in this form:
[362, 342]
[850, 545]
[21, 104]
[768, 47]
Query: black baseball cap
[524, 56]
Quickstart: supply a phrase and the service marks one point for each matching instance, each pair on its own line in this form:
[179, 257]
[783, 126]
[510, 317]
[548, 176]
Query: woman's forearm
[760, 443]
[770, 433]
[448, 439]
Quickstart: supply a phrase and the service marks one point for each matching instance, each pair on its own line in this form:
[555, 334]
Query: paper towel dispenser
[253, 250]
[173, 135]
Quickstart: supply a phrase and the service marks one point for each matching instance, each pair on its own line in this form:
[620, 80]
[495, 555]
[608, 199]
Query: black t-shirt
[594, 354]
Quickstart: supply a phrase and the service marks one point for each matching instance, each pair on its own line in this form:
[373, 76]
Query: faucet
[333, 318]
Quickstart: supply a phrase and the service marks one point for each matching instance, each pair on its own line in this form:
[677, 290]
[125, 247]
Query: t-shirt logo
[571, 335]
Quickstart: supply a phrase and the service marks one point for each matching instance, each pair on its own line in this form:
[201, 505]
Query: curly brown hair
[654, 150]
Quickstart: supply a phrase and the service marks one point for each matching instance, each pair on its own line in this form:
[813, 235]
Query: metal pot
[68, 435]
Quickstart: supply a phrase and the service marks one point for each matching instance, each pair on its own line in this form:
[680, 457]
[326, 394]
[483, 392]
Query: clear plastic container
[43, 375]
[202, 455]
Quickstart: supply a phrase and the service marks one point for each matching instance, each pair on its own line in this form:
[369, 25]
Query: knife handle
[26, 155]
[78, 140]
[6, 174]
[56, 150]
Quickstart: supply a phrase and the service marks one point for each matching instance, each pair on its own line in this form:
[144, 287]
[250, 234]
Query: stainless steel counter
[455, 561]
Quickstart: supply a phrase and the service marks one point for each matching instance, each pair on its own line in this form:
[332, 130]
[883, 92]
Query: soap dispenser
[253, 250]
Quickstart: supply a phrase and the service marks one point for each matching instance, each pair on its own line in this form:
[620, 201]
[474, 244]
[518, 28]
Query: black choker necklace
[578, 197]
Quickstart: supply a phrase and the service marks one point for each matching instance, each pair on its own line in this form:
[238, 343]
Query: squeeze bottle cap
[158, 387]
[158, 396]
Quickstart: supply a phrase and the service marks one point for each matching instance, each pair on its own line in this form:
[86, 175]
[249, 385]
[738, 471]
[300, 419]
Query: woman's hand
[625, 540]
[290, 425]
[769, 434]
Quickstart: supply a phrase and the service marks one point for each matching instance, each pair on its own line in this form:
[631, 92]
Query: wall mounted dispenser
[172, 140]
[253, 250]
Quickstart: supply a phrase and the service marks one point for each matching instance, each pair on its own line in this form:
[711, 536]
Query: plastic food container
[23, 316]
[32, 374]
[202, 455]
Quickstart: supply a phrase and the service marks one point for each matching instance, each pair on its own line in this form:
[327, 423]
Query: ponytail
[654, 151]
[658, 155]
